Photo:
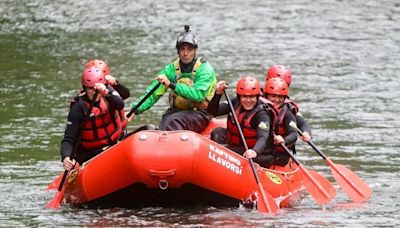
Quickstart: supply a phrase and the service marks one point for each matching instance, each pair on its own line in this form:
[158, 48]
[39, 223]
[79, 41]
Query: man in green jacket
[191, 81]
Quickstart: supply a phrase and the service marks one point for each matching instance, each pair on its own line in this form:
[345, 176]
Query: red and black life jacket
[272, 111]
[280, 126]
[102, 128]
[293, 106]
[244, 119]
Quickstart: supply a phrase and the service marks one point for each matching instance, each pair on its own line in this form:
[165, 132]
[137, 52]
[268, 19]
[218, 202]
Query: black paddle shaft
[309, 142]
[134, 109]
[241, 135]
[290, 153]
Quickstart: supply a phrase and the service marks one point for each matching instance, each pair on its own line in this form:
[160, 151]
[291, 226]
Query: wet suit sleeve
[114, 99]
[302, 123]
[153, 98]
[168, 71]
[217, 108]
[75, 117]
[213, 106]
[122, 90]
[291, 137]
[261, 123]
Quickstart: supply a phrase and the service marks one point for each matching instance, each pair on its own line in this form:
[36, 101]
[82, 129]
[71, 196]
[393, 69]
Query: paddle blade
[352, 184]
[56, 201]
[265, 203]
[320, 188]
[56, 182]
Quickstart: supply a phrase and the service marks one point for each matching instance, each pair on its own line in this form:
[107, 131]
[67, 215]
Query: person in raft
[191, 81]
[117, 86]
[91, 132]
[255, 120]
[276, 91]
[279, 71]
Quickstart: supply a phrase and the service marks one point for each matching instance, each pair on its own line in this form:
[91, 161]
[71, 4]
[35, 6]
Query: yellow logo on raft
[274, 178]
[72, 175]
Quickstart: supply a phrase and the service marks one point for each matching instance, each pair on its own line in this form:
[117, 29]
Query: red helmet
[102, 65]
[248, 86]
[279, 71]
[91, 76]
[276, 86]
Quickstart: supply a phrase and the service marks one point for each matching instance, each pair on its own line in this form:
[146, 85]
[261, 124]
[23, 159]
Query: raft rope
[285, 174]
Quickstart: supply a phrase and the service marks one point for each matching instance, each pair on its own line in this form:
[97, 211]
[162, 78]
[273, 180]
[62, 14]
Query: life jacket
[272, 111]
[280, 126]
[181, 103]
[102, 127]
[121, 113]
[292, 105]
[244, 118]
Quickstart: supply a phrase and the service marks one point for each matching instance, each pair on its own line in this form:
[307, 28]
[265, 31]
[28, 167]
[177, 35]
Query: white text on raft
[225, 159]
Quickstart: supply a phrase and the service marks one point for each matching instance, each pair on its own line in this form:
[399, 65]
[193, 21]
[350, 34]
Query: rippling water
[344, 56]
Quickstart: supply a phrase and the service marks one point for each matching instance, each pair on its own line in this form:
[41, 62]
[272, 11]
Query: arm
[152, 99]
[261, 123]
[291, 137]
[122, 90]
[114, 99]
[213, 106]
[216, 108]
[75, 117]
[303, 126]
[169, 72]
[301, 122]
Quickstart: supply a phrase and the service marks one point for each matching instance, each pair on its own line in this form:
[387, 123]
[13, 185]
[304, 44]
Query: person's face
[248, 102]
[186, 53]
[90, 91]
[278, 100]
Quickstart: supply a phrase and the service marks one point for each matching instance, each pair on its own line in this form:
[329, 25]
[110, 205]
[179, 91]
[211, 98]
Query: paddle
[56, 182]
[59, 179]
[318, 186]
[56, 201]
[134, 109]
[352, 184]
[268, 203]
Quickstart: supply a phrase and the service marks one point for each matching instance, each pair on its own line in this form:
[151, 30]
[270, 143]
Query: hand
[305, 136]
[278, 139]
[111, 80]
[221, 87]
[68, 163]
[130, 118]
[250, 153]
[101, 88]
[163, 80]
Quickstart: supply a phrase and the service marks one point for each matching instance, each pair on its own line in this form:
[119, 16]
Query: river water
[345, 59]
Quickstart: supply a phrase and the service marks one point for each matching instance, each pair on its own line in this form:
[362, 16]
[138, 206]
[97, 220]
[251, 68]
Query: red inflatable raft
[175, 168]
